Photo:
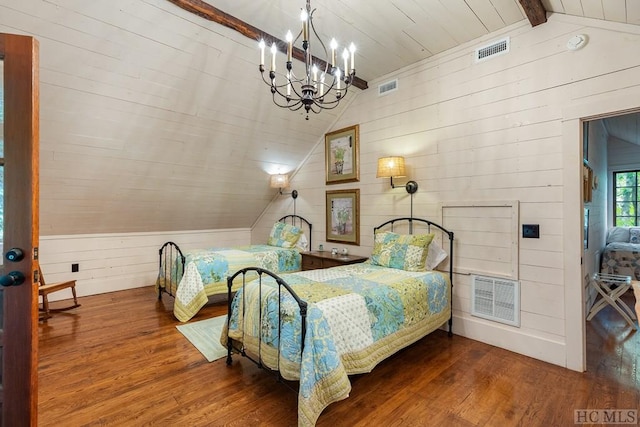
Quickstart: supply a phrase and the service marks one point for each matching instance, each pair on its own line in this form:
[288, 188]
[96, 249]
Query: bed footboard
[261, 274]
[168, 276]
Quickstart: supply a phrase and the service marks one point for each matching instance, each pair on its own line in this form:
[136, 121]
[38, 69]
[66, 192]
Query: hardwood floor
[119, 361]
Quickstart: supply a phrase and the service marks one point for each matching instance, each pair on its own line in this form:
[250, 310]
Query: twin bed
[621, 254]
[192, 276]
[320, 326]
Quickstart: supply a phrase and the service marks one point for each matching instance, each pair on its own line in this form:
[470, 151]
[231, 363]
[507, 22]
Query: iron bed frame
[170, 252]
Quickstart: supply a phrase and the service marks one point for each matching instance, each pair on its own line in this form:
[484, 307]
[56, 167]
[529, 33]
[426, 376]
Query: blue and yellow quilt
[206, 272]
[358, 315]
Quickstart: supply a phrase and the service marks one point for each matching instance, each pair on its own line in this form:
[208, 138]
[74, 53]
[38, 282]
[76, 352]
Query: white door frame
[597, 107]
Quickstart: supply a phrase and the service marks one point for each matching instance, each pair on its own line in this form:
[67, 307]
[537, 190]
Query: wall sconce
[388, 167]
[281, 181]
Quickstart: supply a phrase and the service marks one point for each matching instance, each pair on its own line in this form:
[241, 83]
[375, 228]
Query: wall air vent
[388, 87]
[496, 299]
[496, 48]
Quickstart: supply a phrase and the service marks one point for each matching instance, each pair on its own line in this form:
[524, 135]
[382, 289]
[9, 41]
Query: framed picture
[587, 183]
[341, 151]
[585, 141]
[343, 216]
[586, 229]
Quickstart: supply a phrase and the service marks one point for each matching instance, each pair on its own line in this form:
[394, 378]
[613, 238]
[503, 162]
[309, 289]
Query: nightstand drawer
[327, 263]
[311, 263]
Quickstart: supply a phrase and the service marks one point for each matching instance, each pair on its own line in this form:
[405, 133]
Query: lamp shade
[279, 181]
[388, 167]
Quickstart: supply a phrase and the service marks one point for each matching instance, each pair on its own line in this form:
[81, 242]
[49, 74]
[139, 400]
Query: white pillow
[302, 242]
[435, 255]
[618, 234]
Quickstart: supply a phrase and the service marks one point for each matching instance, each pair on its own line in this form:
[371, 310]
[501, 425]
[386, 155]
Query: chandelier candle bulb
[273, 56]
[321, 85]
[334, 46]
[352, 49]
[338, 78]
[261, 45]
[304, 17]
[290, 45]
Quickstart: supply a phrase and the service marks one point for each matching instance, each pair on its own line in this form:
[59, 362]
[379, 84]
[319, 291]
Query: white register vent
[499, 47]
[496, 299]
[388, 87]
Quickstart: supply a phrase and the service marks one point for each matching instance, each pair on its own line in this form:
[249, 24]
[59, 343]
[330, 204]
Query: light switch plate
[531, 231]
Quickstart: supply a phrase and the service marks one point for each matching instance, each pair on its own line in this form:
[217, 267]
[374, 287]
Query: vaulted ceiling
[154, 118]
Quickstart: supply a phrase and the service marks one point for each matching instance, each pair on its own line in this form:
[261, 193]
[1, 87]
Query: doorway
[611, 145]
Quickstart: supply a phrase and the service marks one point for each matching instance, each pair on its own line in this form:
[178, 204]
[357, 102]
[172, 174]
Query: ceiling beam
[211, 13]
[535, 11]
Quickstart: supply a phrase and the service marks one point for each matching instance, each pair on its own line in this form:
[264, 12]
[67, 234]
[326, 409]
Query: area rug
[205, 336]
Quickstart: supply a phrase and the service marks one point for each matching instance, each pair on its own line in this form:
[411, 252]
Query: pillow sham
[435, 255]
[634, 235]
[284, 235]
[302, 242]
[402, 251]
[618, 234]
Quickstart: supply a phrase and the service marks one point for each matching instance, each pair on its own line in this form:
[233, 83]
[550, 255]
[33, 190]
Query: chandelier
[322, 85]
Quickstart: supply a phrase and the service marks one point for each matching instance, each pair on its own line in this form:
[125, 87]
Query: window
[626, 198]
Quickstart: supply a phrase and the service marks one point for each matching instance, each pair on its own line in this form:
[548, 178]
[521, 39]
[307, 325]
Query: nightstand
[313, 260]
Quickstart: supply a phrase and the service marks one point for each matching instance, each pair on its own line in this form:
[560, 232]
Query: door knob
[14, 278]
[14, 255]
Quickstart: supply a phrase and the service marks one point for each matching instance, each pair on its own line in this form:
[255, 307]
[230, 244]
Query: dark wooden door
[19, 226]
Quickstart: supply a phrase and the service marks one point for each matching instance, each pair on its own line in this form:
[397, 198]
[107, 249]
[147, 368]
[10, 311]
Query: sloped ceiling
[625, 127]
[153, 118]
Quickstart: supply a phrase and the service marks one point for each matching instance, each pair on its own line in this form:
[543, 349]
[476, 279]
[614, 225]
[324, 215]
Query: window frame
[635, 201]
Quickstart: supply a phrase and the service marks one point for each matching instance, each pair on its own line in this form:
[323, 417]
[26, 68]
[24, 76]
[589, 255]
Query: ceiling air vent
[387, 87]
[496, 48]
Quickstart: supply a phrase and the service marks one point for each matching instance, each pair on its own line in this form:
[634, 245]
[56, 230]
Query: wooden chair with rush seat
[46, 288]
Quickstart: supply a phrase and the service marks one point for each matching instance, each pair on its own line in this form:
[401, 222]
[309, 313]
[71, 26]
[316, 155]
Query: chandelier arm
[291, 106]
[333, 88]
[268, 81]
[276, 88]
[327, 66]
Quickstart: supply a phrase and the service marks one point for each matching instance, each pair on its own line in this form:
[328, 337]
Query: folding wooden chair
[46, 288]
[611, 287]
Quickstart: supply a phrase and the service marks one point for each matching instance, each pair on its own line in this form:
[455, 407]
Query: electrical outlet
[531, 231]
[75, 268]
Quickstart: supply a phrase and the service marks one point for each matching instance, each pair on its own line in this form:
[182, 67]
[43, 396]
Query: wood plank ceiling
[153, 118]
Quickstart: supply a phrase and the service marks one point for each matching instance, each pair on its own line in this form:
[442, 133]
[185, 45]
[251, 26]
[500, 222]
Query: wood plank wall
[485, 132]
[112, 262]
[488, 247]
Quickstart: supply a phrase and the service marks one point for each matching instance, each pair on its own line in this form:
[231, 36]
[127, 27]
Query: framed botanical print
[585, 141]
[341, 148]
[586, 229]
[343, 216]
[587, 183]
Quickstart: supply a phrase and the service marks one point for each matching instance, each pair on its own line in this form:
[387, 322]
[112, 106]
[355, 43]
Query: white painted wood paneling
[114, 262]
[486, 237]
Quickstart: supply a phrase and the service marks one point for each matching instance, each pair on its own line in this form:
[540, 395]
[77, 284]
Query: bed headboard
[298, 221]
